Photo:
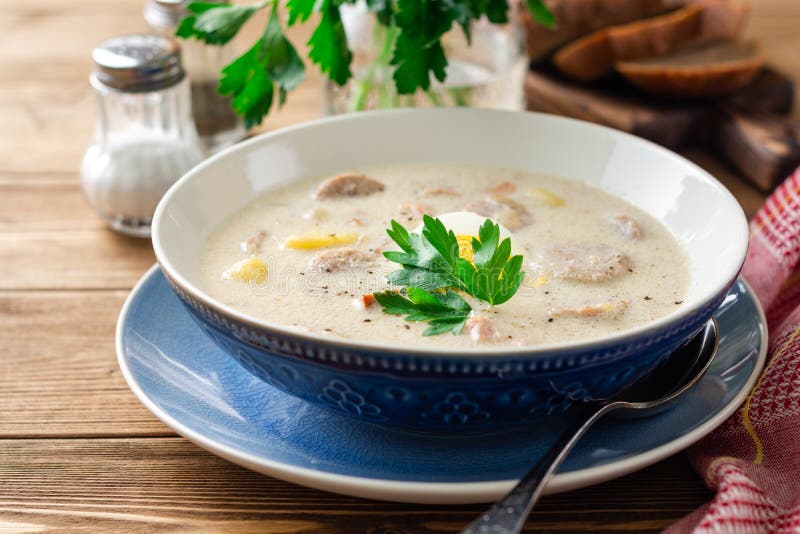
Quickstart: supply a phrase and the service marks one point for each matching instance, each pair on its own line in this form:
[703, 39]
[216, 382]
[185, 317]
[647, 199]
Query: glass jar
[144, 136]
[217, 124]
[489, 73]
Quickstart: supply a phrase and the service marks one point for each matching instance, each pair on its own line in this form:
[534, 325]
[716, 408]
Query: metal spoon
[651, 394]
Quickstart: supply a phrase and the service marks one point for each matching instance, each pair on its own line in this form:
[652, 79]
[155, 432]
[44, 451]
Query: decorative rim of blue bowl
[404, 363]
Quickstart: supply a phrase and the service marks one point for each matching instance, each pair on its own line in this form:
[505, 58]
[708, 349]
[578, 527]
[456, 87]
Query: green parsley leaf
[444, 312]
[299, 10]
[247, 81]
[282, 60]
[328, 45]
[464, 12]
[414, 61]
[250, 79]
[383, 10]
[497, 11]
[423, 265]
[540, 13]
[215, 23]
[495, 276]
[418, 51]
[440, 238]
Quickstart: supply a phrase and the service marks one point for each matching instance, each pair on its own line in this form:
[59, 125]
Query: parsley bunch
[273, 62]
[432, 271]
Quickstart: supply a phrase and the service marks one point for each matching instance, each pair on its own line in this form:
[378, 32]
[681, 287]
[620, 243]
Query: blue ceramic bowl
[433, 389]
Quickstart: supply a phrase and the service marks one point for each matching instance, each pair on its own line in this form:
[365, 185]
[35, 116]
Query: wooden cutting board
[748, 129]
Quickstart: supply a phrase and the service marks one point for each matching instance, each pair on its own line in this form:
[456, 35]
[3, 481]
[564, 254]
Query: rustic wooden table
[77, 450]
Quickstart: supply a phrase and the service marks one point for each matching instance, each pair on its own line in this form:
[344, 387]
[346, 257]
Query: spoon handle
[508, 515]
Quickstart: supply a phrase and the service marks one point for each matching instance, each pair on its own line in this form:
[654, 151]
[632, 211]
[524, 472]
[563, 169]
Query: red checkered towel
[752, 461]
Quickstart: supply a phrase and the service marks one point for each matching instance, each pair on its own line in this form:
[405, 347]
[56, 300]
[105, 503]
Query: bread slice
[704, 70]
[594, 55]
[576, 18]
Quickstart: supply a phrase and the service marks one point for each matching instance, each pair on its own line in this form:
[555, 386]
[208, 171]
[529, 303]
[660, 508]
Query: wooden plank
[51, 239]
[666, 124]
[76, 259]
[774, 24]
[167, 484]
[53, 41]
[44, 202]
[59, 375]
[39, 117]
[745, 129]
[763, 147]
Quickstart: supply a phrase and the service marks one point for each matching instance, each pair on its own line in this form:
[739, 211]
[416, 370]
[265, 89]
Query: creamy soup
[309, 256]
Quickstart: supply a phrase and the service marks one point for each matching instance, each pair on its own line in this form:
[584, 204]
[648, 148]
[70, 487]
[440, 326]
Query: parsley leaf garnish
[444, 312]
[424, 265]
[432, 272]
[494, 276]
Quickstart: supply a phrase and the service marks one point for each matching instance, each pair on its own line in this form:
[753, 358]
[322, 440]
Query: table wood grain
[78, 452]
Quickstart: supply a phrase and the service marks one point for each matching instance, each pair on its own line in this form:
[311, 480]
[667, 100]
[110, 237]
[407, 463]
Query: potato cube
[315, 241]
[546, 197]
[247, 270]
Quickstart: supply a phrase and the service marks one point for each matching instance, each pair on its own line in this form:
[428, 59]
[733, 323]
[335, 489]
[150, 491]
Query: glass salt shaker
[144, 135]
[217, 124]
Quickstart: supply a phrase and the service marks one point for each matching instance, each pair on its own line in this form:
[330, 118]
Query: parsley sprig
[432, 271]
[444, 312]
[273, 62]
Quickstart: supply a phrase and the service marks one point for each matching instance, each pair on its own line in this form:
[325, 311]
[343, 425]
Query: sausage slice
[348, 185]
[585, 262]
[252, 245]
[504, 210]
[481, 329]
[627, 226]
[612, 308]
[340, 259]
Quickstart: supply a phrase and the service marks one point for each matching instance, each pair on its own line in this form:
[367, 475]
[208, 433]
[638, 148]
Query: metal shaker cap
[164, 15]
[137, 63]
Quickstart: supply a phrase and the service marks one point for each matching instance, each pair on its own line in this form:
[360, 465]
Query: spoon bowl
[659, 390]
